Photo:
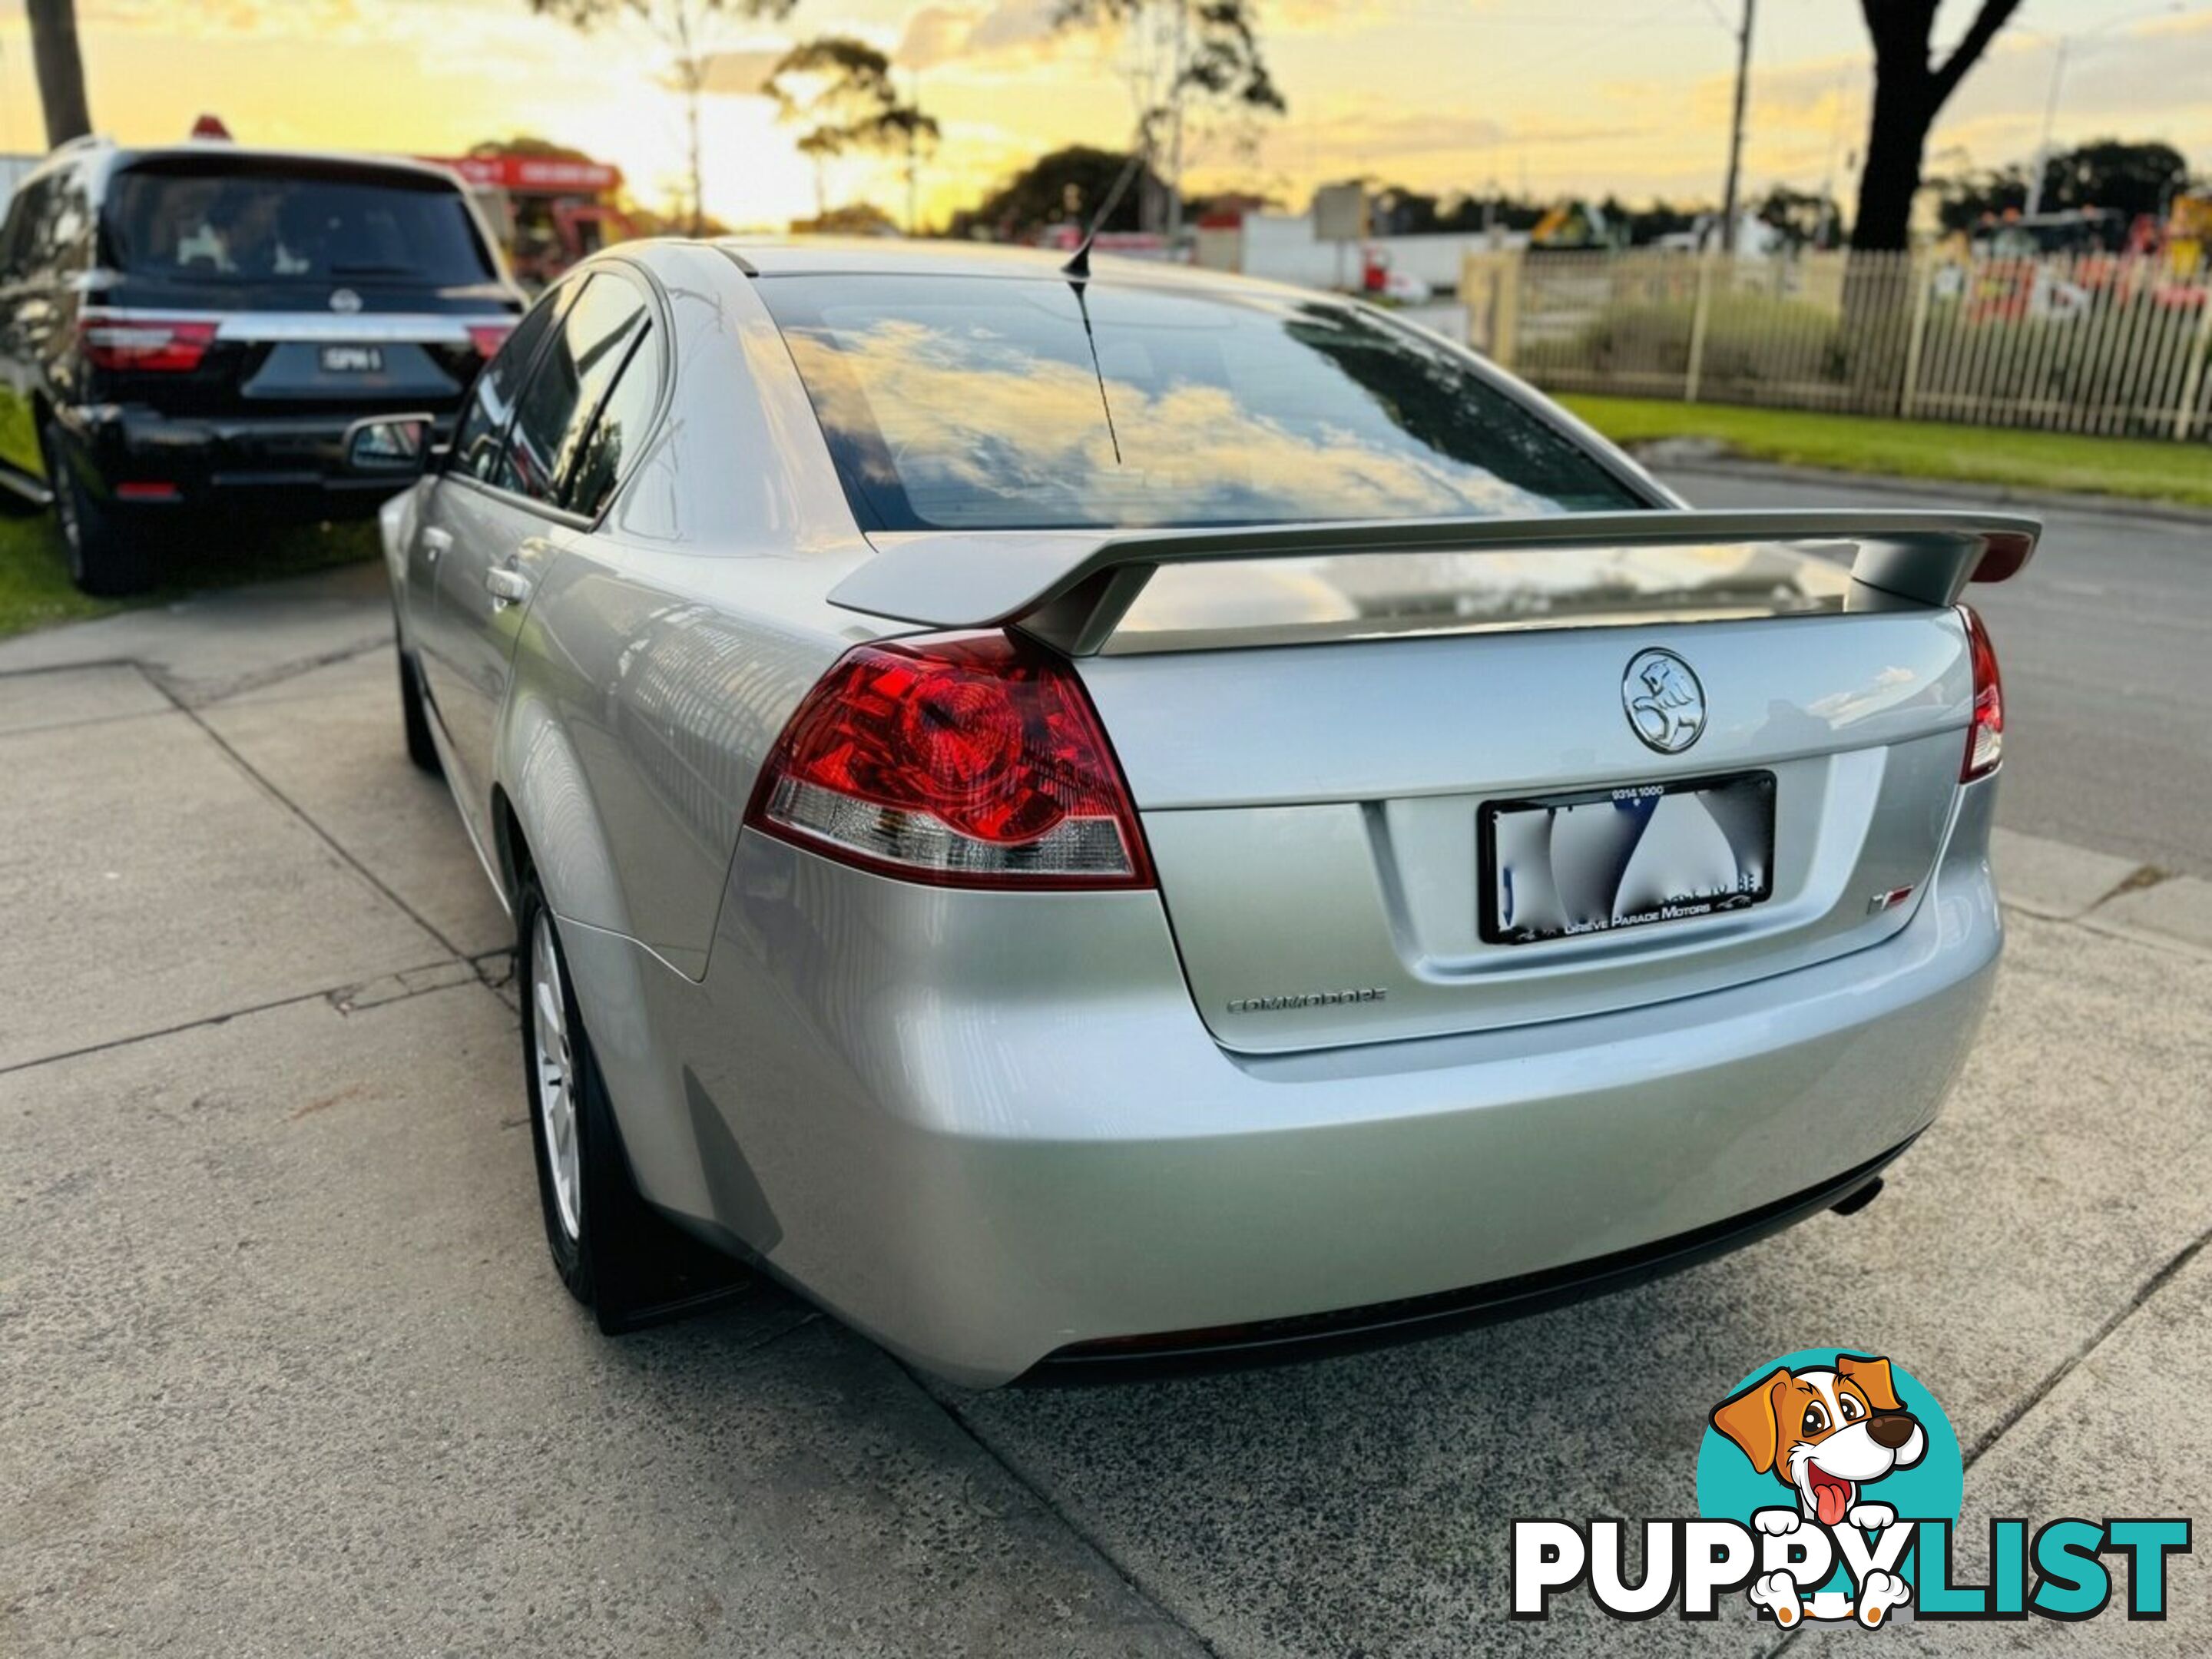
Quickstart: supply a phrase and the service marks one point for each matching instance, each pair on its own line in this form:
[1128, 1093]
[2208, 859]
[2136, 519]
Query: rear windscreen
[245, 226]
[954, 403]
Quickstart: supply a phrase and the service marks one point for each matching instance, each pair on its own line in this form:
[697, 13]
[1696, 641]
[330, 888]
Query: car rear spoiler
[1070, 588]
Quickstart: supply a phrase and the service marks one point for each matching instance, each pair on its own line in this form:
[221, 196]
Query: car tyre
[617, 1255]
[416, 716]
[105, 545]
[581, 1189]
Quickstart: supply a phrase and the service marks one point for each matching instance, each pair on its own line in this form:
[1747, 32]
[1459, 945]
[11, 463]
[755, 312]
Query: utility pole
[1736, 131]
[2050, 115]
[1174, 130]
[2062, 44]
[1828, 177]
[60, 69]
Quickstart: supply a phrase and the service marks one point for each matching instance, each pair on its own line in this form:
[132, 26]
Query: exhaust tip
[1853, 1202]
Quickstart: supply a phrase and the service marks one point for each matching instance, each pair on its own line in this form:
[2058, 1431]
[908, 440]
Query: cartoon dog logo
[1826, 1434]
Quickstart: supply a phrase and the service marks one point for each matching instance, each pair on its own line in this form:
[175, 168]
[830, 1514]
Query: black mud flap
[662, 1273]
[664, 1276]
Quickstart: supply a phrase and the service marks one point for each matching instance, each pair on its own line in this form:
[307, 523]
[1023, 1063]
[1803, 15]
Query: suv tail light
[966, 761]
[488, 337]
[140, 345]
[1986, 734]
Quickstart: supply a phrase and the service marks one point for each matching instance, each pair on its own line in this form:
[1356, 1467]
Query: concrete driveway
[283, 1368]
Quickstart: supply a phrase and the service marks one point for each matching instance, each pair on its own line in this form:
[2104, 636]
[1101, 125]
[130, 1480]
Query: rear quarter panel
[665, 647]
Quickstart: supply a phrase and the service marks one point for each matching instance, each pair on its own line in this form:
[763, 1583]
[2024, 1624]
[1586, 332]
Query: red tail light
[1985, 735]
[144, 344]
[488, 337]
[968, 761]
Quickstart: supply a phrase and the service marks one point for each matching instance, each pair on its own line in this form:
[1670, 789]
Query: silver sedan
[1095, 817]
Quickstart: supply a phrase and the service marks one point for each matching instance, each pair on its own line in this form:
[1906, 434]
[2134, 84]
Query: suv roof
[106, 157]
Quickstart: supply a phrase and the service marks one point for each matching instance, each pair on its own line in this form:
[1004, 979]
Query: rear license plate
[1556, 866]
[353, 360]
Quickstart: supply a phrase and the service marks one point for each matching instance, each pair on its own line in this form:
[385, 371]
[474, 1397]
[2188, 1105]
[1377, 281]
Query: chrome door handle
[506, 586]
[434, 541]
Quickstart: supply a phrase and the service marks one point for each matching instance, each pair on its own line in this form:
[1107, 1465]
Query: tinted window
[476, 447]
[579, 364]
[66, 243]
[20, 237]
[230, 224]
[49, 230]
[952, 403]
[624, 419]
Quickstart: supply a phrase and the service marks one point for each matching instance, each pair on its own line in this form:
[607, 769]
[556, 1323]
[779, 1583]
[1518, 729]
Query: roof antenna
[1078, 268]
[1097, 373]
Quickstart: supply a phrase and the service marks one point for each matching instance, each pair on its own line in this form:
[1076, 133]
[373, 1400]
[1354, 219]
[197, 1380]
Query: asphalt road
[283, 1368]
[2106, 645]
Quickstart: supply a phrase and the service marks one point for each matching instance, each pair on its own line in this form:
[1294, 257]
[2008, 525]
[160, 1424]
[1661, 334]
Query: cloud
[937, 34]
[944, 400]
[1377, 136]
[739, 72]
[2146, 81]
[289, 19]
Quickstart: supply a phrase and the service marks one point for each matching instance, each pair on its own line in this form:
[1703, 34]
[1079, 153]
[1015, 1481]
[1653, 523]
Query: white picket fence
[2094, 344]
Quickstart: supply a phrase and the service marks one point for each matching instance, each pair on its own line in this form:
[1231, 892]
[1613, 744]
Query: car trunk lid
[1326, 735]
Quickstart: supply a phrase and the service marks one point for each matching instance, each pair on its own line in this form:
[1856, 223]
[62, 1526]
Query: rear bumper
[285, 465]
[985, 1149]
[1172, 1353]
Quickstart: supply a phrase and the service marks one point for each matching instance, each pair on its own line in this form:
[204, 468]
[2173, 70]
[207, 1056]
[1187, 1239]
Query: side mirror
[398, 445]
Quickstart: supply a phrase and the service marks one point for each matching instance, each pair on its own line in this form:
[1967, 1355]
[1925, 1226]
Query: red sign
[534, 175]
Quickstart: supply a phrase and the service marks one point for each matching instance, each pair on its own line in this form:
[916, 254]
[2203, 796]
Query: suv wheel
[105, 545]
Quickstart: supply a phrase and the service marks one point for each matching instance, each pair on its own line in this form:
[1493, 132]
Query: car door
[505, 528]
[448, 512]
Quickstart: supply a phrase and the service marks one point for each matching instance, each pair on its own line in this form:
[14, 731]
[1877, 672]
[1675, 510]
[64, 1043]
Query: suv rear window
[249, 225]
[955, 403]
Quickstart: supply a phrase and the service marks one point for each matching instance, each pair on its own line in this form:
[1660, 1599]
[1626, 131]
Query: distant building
[1285, 248]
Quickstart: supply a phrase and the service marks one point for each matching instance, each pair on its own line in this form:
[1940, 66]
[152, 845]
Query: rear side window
[19, 237]
[955, 404]
[68, 240]
[602, 458]
[49, 229]
[232, 224]
[579, 363]
[478, 445]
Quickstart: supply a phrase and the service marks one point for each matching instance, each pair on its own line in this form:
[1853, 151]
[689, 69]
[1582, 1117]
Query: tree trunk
[1896, 138]
[60, 70]
[1878, 287]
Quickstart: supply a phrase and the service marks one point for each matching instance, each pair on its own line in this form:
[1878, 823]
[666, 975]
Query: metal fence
[2094, 344]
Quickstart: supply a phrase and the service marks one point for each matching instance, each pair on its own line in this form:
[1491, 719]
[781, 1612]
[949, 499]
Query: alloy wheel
[552, 1055]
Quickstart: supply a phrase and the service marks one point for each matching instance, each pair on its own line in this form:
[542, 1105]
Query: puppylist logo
[1829, 1487]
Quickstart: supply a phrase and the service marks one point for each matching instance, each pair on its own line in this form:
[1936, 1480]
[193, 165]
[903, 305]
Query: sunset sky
[1627, 96]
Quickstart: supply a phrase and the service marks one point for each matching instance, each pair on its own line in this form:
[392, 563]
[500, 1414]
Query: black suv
[194, 328]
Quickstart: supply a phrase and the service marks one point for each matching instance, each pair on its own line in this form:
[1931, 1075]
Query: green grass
[2139, 468]
[35, 590]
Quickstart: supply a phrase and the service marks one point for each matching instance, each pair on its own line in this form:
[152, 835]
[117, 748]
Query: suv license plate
[1557, 867]
[353, 360]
